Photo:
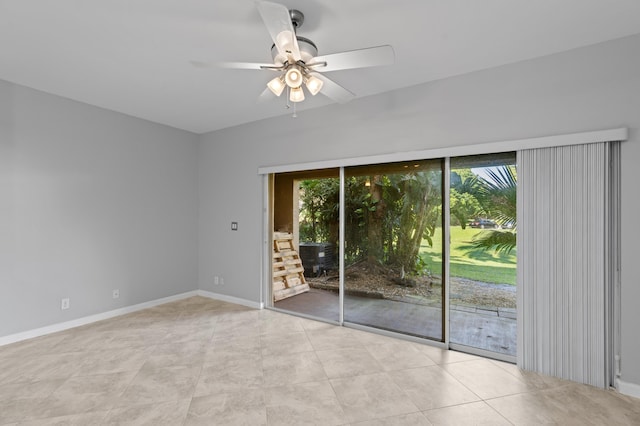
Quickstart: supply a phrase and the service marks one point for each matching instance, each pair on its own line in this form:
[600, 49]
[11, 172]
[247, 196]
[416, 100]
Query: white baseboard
[630, 389]
[230, 299]
[30, 334]
[13, 338]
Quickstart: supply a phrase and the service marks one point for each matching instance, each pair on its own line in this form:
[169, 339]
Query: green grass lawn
[468, 262]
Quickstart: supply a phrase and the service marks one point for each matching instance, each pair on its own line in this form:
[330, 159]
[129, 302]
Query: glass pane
[306, 210]
[392, 215]
[483, 257]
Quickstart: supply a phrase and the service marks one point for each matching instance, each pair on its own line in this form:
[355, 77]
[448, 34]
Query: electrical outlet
[234, 226]
[64, 303]
[116, 293]
[216, 280]
[221, 281]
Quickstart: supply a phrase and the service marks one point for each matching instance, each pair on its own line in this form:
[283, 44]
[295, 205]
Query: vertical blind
[563, 256]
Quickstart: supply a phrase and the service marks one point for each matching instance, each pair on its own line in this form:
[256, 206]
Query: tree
[465, 181]
[497, 196]
[375, 220]
[421, 196]
[319, 212]
[463, 202]
[463, 206]
[387, 216]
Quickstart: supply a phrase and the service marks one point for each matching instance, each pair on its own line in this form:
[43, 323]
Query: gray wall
[593, 88]
[90, 201]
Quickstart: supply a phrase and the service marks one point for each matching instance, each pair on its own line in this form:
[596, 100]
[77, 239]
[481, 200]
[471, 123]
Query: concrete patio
[492, 329]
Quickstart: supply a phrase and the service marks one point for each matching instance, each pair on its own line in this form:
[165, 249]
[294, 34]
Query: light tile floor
[205, 362]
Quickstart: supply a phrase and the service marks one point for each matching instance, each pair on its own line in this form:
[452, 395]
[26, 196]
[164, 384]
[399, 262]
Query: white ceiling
[144, 57]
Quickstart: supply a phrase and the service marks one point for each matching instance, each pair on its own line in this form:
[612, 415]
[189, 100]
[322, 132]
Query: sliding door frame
[446, 248]
[341, 213]
[618, 134]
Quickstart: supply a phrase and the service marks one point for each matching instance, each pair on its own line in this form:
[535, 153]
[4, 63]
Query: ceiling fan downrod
[297, 18]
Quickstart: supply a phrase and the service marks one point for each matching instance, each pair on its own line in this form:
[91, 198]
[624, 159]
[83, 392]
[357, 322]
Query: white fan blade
[249, 66]
[333, 90]
[361, 58]
[277, 19]
[265, 96]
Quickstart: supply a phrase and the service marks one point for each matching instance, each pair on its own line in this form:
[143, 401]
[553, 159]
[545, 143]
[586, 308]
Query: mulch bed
[366, 281]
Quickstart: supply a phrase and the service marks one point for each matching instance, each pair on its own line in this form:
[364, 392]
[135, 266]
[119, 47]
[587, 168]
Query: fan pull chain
[288, 105]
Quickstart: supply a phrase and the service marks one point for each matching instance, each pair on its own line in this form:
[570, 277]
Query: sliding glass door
[482, 261]
[305, 233]
[392, 213]
[394, 244]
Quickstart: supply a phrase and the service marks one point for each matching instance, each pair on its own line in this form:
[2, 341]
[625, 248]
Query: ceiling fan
[296, 59]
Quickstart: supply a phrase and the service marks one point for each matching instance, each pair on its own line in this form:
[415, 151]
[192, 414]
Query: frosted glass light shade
[293, 78]
[314, 84]
[284, 41]
[296, 95]
[276, 86]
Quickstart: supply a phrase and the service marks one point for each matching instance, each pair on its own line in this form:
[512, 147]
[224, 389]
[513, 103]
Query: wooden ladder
[288, 272]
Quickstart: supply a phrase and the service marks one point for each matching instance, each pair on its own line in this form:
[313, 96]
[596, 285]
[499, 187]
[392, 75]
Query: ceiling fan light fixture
[276, 86]
[296, 60]
[296, 95]
[293, 77]
[314, 84]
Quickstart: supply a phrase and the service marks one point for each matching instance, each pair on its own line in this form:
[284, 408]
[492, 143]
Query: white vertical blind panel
[561, 271]
[613, 266]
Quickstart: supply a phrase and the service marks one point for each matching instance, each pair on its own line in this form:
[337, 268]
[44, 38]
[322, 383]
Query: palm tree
[497, 197]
